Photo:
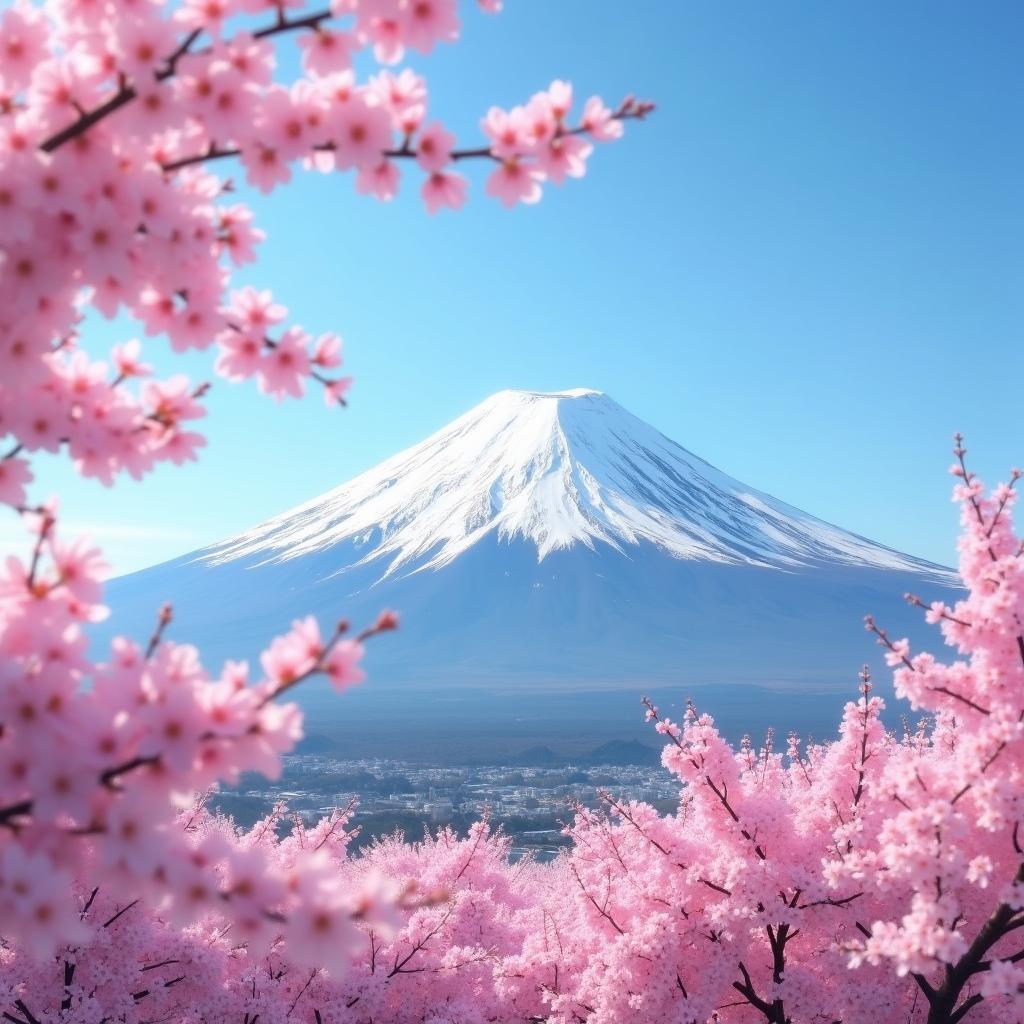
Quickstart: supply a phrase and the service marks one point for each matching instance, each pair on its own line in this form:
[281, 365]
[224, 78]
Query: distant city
[529, 803]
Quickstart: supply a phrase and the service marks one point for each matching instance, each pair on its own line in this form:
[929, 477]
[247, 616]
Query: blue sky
[808, 268]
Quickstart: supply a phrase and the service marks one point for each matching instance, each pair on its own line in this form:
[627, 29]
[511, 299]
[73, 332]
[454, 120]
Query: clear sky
[808, 268]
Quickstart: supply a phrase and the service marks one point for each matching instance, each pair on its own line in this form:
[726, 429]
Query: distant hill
[624, 752]
[614, 752]
[316, 743]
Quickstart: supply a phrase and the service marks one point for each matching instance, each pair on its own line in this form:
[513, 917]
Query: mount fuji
[546, 546]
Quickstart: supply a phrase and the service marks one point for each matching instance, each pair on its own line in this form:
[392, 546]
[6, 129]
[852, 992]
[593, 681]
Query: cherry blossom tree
[119, 120]
[879, 877]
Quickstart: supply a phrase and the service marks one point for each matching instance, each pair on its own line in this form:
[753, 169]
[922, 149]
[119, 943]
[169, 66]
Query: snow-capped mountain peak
[555, 469]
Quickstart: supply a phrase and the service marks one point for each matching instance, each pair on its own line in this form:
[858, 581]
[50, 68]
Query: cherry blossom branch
[723, 799]
[629, 110]
[960, 452]
[164, 617]
[828, 901]
[961, 455]
[124, 910]
[865, 680]
[45, 529]
[603, 911]
[937, 609]
[339, 821]
[128, 92]
[421, 944]
[885, 641]
[302, 991]
[480, 832]
[271, 345]
[124, 95]
[142, 993]
[386, 622]
[714, 885]
[1015, 475]
[623, 812]
[721, 794]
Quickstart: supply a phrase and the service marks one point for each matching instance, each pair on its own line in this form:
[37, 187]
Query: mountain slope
[545, 543]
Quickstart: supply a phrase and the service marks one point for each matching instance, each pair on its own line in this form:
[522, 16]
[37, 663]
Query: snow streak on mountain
[561, 469]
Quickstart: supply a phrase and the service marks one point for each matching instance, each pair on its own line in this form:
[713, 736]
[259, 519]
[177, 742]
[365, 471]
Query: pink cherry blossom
[515, 181]
[564, 157]
[342, 664]
[559, 95]
[284, 369]
[444, 189]
[126, 359]
[294, 654]
[426, 22]
[325, 52]
[241, 355]
[434, 148]
[265, 167]
[255, 310]
[404, 96]
[599, 121]
[327, 351]
[506, 131]
[379, 180]
[23, 41]
[362, 133]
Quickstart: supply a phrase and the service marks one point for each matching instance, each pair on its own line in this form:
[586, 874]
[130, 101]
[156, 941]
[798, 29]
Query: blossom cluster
[878, 877]
[456, 909]
[115, 116]
[91, 777]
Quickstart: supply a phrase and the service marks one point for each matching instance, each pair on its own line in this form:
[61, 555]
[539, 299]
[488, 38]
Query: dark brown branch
[283, 24]
[845, 901]
[746, 989]
[162, 963]
[943, 1000]
[29, 1016]
[400, 965]
[125, 94]
[69, 977]
[717, 888]
[960, 697]
[597, 906]
[302, 991]
[122, 911]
